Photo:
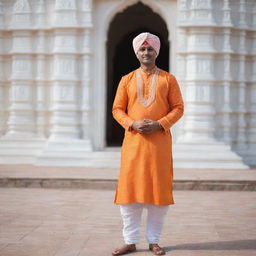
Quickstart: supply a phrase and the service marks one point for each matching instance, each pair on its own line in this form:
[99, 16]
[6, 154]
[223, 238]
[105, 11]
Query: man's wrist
[130, 128]
[160, 126]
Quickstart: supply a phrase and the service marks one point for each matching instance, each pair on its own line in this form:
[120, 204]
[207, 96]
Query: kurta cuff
[127, 123]
[165, 124]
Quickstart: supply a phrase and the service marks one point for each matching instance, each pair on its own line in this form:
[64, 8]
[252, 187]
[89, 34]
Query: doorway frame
[104, 12]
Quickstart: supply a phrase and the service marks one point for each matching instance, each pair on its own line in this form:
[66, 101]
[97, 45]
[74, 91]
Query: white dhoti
[131, 215]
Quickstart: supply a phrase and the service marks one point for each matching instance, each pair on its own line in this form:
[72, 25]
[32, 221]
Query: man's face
[146, 55]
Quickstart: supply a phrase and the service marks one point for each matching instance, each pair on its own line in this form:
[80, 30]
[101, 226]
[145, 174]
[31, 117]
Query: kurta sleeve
[176, 104]
[120, 105]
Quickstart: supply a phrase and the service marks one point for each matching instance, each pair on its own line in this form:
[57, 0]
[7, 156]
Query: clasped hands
[146, 126]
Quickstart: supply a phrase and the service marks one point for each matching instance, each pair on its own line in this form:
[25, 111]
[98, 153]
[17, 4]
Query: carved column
[40, 14]
[242, 14]
[2, 92]
[183, 12]
[201, 12]
[40, 94]
[183, 16]
[241, 111]
[65, 13]
[251, 154]
[182, 42]
[21, 18]
[86, 72]
[64, 106]
[1, 16]
[226, 110]
[199, 121]
[21, 119]
[2, 100]
[40, 85]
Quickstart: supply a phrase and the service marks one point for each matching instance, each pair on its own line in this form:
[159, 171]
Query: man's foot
[128, 248]
[156, 249]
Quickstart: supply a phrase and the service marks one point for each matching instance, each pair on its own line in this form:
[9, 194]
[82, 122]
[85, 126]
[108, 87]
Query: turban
[151, 39]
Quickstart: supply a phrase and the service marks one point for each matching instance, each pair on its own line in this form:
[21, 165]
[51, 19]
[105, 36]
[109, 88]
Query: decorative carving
[242, 47]
[1, 70]
[199, 93]
[86, 41]
[241, 68]
[183, 10]
[226, 40]
[21, 68]
[21, 43]
[40, 46]
[204, 66]
[1, 16]
[242, 11]
[67, 93]
[254, 16]
[65, 66]
[21, 14]
[201, 10]
[241, 137]
[200, 4]
[21, 6]
[226, 63]
[40, 72]
[87, 5]
[20, 93]
[226, 21]
[65, 5]
[86, 66]
[40, 6]
[65, 42]
[200, 41]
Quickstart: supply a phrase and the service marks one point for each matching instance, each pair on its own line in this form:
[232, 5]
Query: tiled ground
[65, 222]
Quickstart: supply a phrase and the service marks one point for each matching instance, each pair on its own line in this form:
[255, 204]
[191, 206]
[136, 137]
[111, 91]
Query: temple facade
[61, 60]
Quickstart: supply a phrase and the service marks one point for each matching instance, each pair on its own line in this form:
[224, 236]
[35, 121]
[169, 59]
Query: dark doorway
[121, 58]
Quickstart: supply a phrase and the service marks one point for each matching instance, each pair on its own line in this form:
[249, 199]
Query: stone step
[110, 184]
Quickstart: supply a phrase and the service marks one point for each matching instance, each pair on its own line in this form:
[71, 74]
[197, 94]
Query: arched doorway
[120, 56]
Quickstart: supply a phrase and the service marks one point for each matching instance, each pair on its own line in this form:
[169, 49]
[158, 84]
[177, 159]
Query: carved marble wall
[216, 66]
[46, 88]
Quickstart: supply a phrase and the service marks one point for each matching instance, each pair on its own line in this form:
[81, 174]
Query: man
[148, 102]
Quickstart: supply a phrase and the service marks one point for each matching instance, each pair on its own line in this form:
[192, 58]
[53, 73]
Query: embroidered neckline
[153, 70]
[152, 88]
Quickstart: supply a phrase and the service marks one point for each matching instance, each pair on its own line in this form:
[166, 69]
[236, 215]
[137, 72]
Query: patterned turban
[151, 39]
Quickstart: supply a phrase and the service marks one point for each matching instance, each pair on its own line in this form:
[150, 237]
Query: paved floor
[66, 222]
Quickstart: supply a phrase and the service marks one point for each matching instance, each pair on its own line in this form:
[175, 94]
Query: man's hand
[146, 126]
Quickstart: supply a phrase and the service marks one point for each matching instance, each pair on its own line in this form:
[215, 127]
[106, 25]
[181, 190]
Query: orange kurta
[146, 173]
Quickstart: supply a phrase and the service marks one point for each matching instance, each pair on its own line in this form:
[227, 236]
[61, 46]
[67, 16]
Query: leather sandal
[128, 248]
[156, 249]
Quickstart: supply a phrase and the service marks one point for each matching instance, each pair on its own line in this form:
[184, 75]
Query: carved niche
[65, 5]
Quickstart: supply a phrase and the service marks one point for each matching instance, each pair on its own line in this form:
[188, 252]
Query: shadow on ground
[225, 245]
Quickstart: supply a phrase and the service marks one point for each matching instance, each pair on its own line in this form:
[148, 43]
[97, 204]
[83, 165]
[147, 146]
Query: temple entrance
[121, 58]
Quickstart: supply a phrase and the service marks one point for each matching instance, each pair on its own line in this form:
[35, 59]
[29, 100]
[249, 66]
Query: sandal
[156, 249]
[128, 248]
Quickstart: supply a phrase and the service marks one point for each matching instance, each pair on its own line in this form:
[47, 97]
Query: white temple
[54, 57]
